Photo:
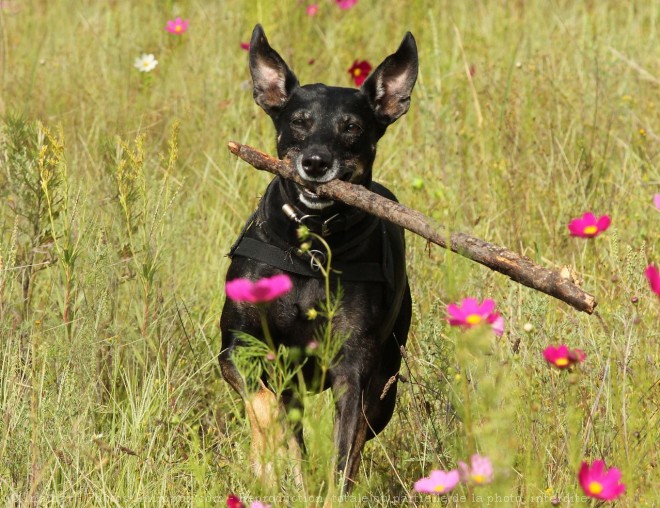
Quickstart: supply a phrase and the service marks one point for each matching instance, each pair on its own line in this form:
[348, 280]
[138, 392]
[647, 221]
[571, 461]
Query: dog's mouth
[312, 200]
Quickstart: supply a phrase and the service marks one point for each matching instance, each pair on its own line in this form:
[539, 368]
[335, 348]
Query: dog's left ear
[389, 87]
[272, 79]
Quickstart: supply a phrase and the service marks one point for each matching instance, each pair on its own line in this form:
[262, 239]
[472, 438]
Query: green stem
[264, 326]
[330, 310]
[467, 416]
[145, 310]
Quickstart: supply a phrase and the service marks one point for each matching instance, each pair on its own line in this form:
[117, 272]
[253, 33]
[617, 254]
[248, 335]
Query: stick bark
[519, 268]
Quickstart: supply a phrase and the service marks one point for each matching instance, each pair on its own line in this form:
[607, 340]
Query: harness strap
[289, 261]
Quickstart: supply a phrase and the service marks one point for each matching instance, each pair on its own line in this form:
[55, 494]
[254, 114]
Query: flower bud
[302, 232]
[311, 348]
[294, 415]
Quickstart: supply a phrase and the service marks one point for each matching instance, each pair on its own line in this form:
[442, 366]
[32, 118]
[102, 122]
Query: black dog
[329, 133]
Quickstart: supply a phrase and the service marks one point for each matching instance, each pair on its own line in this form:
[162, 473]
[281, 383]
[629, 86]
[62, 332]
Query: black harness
[264, 246]
[293, 260]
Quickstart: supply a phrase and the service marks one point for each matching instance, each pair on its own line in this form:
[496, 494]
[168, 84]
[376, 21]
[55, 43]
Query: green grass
[119, 201]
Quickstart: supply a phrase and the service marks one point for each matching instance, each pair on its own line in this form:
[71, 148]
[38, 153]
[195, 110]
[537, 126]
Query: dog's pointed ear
[389, 87]
[272, 79]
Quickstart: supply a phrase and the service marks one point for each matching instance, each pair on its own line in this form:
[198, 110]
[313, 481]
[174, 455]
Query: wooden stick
[519, 268]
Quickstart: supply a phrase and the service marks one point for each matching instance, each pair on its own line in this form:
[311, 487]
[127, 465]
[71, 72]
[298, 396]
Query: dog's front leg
[272, 443]
[351, 428]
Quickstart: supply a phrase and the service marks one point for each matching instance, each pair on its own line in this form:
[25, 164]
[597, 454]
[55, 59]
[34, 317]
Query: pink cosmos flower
[177, 26]
[480, 470]
[346, 4]
[498, 325]
[438, 482]
[263, 290]
[656, 201]
[245, 46]
[469, 313]
[598, 483]
[359, 71]
[653, 275]
[312, 9]
[588, 226]
[562, 357]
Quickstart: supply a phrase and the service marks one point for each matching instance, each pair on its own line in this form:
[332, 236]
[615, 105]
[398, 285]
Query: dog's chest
[297, 317]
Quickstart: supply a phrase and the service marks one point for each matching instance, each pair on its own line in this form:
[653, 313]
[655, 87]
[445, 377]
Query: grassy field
[119, 201]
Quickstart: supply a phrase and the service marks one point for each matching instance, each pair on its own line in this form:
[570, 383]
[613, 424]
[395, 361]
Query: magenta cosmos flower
[312, 9]
[261, 291]
[177, 26]
[469, 313]
[656, 201]
[438, 482]
[346, 4]
[599, 483]
[233, 501]
[359, 71]
[653, 275]
[588, 225]
[480, 470]
[562, 357]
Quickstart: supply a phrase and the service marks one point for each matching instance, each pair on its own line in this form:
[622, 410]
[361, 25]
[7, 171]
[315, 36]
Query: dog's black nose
[315, 165]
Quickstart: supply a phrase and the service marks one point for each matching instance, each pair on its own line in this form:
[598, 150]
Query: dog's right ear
[272, 79]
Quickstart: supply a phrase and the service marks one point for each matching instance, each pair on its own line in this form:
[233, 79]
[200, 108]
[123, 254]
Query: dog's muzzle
[317, 167]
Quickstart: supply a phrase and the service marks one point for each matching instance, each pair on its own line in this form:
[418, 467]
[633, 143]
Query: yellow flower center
[439, 488]
[478, 478]
[178, 28]
[473, 319]
[357, 71]
[595, 488]
[590, 230]
[561, 362]
[145, 63]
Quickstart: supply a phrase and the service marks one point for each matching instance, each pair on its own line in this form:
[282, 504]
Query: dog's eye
[298, 122]
[353, 129]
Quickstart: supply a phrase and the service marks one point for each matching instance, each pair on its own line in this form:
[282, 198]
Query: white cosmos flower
[145, 63]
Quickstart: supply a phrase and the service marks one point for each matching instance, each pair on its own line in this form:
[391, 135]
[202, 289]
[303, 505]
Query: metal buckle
[325, 227]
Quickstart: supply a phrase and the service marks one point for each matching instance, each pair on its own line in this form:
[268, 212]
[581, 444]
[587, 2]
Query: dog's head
[331, 132]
